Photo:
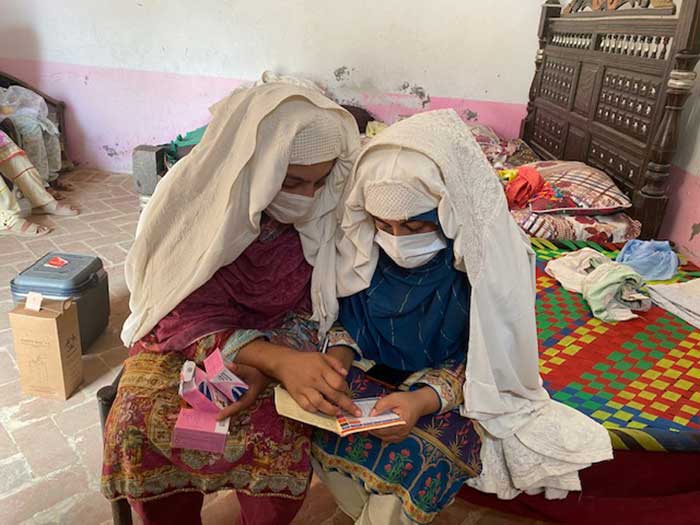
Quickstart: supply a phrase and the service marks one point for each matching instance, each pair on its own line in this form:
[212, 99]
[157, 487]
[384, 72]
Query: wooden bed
[611, 79]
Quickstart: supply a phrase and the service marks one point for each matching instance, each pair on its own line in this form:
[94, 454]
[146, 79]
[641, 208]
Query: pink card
[198, 391]
[232, 386]
[198, 430]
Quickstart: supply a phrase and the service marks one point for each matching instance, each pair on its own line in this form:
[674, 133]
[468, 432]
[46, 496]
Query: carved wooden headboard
[611, 79]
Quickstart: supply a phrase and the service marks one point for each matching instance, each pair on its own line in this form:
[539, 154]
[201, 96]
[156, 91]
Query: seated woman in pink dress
[236, 252]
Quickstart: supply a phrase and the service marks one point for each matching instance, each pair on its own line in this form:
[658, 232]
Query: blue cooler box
[70, 276]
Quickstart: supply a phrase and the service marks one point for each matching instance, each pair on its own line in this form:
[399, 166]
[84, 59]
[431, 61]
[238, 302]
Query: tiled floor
[50, 451]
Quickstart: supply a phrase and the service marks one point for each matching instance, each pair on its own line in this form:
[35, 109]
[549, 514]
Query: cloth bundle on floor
[39, 135]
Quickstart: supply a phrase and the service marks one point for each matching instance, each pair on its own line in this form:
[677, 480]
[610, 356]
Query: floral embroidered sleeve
[238, 340]
[296, 328]
[338, 336]
[446, 381]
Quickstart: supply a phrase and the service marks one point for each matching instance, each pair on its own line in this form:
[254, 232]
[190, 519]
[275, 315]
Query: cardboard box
[196, 430]
[47, 346]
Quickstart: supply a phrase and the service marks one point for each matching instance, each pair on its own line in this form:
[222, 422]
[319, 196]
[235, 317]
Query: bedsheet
[639, 378]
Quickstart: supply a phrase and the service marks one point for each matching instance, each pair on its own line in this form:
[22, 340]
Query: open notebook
[342, 425]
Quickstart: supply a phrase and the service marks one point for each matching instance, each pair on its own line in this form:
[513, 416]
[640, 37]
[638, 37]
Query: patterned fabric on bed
[502, 153]
[522, 154]
[582, 190]
[617, 227]
[511, 154]
[639, 378]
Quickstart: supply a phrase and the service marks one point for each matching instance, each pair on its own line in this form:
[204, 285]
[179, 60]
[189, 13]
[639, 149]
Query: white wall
[469, 49]
[688, 156]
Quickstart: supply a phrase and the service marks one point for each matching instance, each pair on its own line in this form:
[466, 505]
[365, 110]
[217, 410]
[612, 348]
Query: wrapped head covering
[410, 319]
[388, 193]
[503, 390]
[502, 363]
[207, 210]
[320, 141]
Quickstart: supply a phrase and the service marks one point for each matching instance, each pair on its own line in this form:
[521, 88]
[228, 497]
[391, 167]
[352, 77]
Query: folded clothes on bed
[612, 292]
[610, 289]
[571, 269]
[653, 260]
[682, 299]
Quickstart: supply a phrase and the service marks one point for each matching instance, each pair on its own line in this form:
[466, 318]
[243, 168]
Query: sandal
[55, 194]
[56, 208]
[24, 228]
[61, 186]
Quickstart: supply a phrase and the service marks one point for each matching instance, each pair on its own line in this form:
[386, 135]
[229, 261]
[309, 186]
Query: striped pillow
[579, 190]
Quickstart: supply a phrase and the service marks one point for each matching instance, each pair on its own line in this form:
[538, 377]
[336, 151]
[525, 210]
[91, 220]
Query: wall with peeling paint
[396, 56]
[683, 218]
[150, 69]
[464, 49]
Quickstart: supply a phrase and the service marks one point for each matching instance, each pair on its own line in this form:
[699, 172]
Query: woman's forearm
[345, 354]
[265, 356]
[428, 401]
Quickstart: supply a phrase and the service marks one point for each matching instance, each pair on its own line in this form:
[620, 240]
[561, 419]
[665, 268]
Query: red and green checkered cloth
[639, 378]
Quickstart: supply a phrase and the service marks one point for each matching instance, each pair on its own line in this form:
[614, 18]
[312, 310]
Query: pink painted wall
[110, 111]
[503, 117]
[682, 223]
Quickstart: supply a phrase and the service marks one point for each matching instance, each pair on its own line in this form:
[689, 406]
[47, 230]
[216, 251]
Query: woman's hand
[316, 381]
[410, 406]
[257, 383]
[344, 354]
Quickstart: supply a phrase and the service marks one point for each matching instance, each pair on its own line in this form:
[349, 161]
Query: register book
[343, 425]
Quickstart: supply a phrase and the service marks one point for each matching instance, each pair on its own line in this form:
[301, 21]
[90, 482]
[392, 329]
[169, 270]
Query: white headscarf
[503, 390]
[207, 209]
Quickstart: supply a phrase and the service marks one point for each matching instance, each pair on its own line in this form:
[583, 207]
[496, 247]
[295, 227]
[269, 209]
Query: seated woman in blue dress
[437, 319]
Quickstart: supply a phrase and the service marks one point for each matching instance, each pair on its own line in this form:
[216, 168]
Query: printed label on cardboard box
[47, 346]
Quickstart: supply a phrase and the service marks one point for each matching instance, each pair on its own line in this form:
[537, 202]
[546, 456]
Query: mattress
[640, 378]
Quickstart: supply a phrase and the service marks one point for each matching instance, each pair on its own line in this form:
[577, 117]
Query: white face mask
[289, 208]
[411, 251]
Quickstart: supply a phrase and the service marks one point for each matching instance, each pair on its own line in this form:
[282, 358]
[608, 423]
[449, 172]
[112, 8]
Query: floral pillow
[580, 190]
[502, 153]
[617, 227]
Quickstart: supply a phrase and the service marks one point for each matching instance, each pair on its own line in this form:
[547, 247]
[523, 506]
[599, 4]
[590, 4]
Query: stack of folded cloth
[612, 290]
[681, 299]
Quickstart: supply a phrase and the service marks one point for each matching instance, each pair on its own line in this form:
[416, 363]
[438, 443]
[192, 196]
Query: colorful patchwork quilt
[639, 378]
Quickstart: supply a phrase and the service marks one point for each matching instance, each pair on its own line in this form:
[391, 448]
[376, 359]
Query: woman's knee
[349, 494]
